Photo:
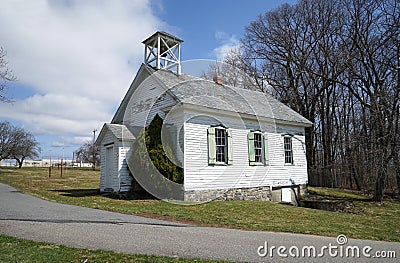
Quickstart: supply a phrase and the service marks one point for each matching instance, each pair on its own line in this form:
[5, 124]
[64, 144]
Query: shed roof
[119, 131]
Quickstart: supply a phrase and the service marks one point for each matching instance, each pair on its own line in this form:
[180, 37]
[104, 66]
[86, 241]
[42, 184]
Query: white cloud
[57, 113]
[80, 56]
[71, 141]
[227, 43]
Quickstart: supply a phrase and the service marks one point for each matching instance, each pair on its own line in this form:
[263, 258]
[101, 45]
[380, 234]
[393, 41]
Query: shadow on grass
[79, 192]
[334, 197]
[96, 192]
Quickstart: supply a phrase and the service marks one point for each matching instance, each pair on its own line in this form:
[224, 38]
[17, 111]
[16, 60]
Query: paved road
[24, 216]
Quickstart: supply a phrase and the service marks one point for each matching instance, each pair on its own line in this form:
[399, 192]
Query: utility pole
[93, 149]
[62, 162]
[50, 165]
[94, 135]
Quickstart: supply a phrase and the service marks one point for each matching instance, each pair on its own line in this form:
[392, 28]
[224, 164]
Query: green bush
[157, 152]
[148, 151]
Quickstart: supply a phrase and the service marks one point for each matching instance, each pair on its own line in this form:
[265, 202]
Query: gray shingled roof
[121, 132]
[193, 90]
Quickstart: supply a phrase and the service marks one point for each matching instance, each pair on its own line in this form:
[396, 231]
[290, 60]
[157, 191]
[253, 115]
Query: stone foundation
[263, 193]
[303, 190]
[254, 193]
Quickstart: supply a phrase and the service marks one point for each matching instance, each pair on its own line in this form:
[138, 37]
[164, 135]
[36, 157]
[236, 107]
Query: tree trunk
[20, 162]
[355, 177]
[309, 146]
[397, 179]
[380, 184]
[397, 170]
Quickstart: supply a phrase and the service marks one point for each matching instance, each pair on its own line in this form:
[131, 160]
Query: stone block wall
[254, 193]
[263, 193]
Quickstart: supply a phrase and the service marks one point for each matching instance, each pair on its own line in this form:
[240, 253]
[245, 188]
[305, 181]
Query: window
[287, 145]
[258, 148]
[219, 145]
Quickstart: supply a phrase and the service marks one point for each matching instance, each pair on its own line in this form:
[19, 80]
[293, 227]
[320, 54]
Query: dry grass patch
[80, 187]
[19, 250]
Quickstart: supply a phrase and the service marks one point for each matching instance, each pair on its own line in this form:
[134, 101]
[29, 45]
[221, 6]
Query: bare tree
[287, 46]
[6, 75]
[25, 147]
[7, 140]
[234, 71]
[89, 152]
[337, 63]
[373, 31]
[17, 143]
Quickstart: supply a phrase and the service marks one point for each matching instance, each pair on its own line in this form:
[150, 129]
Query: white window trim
[212, 145]
[225, 146]
[291, 150]
[264, 149]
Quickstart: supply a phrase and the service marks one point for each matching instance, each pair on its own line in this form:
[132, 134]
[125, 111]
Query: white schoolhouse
[232, 143]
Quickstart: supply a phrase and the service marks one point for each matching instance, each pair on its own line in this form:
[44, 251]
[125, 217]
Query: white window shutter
[266, 152]
[230, 149]
[252, 154]
[211, 145]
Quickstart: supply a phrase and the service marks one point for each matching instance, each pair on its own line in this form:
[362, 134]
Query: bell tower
[163, 51]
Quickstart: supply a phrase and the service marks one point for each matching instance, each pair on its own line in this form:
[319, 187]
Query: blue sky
[75, 59]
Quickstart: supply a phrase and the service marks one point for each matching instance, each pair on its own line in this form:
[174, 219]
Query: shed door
[109, 166]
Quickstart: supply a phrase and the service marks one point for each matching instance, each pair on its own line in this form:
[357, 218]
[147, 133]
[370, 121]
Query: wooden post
[50, 165]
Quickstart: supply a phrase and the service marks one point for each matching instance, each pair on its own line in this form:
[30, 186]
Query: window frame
[288, 151]
[252, 148]
[214, 145]
[223, 146]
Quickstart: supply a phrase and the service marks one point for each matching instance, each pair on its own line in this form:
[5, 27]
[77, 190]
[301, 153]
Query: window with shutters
[258, 148]
[219, 145]
[287, 145]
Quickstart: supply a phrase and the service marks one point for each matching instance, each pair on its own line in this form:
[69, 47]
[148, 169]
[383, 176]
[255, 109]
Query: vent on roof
[163, 51]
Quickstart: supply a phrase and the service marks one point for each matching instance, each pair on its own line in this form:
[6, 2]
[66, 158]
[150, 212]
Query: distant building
[44, 163]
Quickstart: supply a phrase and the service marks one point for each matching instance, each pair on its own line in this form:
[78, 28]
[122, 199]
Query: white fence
[44, 163]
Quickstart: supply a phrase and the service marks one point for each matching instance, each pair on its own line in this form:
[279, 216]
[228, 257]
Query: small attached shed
[115, 175]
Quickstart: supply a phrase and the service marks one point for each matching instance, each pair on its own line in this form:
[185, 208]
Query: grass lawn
[80, 187]
[19, 250]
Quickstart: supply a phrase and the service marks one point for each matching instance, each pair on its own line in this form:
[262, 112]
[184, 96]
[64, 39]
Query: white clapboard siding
[120, 179]
[125, 179]
[114, 177]
[142, 74]
[201, 176]
[146, 104]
